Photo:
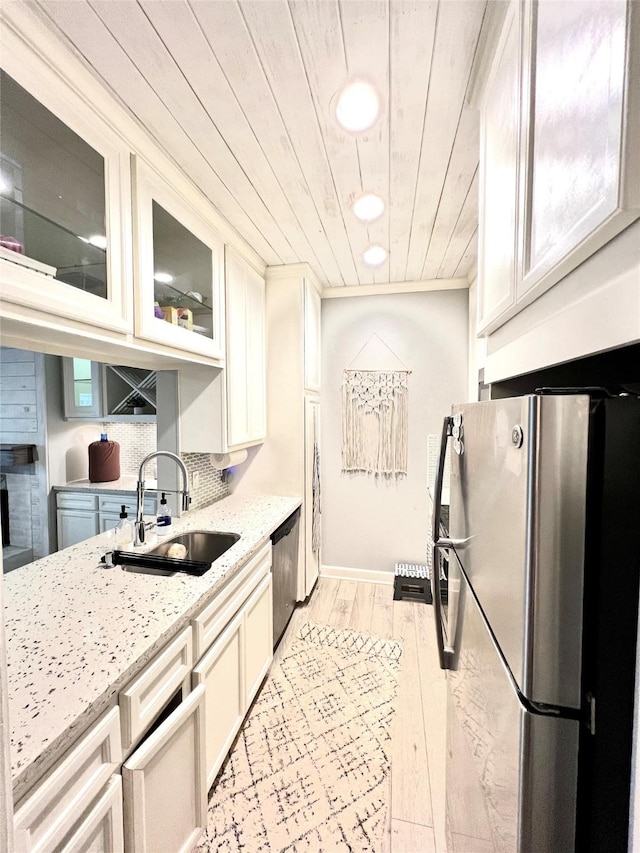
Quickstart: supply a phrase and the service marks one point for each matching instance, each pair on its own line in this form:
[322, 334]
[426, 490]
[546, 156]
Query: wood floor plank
[343, 604]
[362, 610]
[410, 791]
[433, 687]
[411, 838]
[323, 600]
[382, 620]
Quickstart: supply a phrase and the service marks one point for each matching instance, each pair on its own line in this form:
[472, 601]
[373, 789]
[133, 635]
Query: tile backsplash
[210, 487]
[136, 441]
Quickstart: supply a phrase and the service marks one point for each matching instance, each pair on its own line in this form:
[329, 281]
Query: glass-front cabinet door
[178, 269]
[65, 224]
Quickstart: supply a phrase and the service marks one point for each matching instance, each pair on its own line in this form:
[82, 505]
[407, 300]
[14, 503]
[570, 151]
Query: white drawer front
[214, 617]
[76, 500]
[112, 503]
[145, 696]
[48, 813]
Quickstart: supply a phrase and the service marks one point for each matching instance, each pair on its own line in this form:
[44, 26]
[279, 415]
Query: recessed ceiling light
[163, 278]
[368, 207]
[374, 256]
[357, 106]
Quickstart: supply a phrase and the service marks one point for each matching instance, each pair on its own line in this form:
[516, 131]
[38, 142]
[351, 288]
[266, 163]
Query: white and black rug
[310, 770]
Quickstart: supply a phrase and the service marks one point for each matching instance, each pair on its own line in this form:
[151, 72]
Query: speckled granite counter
[77, 633]
[126, 483]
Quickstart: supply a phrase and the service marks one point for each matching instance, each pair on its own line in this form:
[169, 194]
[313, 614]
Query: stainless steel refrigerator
[536, 622]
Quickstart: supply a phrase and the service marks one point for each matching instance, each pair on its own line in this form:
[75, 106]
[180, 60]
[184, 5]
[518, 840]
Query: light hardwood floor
[416, 818]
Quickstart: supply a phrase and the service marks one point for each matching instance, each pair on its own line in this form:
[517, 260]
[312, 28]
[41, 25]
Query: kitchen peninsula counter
[78, 632]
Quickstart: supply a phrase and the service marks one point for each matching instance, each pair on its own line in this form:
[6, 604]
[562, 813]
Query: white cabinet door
[102, 827]
[75, 526]
[179, 265]
[68, 199]
[312, 312]
[583, 156]
[50, 813]
[258, 637]
[165, 795]
[310, 558]
[221, 672]
[246, 359]
[499, 152]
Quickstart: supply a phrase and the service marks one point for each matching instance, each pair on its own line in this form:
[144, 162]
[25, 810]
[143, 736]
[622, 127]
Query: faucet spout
[139, 526]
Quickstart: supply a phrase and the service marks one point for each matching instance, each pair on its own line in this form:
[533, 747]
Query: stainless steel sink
[202, 545]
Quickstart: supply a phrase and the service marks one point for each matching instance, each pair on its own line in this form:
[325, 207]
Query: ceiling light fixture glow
[368, 207]
[163, 278]
[357, 106]
[374, 256]
[98, 240]
[5, 185]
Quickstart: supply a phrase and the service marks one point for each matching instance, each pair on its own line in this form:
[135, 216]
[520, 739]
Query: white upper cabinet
[499, 148]
[583, 157]
[178, 269]
[245, 366]
[559, 160]
[65, 200]
[311, 337]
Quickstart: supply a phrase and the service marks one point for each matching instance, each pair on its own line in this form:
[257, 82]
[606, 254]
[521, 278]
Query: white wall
[370, 523]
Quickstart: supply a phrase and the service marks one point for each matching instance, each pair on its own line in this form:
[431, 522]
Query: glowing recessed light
[98, 240]
[357, 106]
[5, 185]
[163, 278]
[368, 207]
[374, 256]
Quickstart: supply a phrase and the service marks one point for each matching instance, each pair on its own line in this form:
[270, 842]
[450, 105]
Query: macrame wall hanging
[375, 408]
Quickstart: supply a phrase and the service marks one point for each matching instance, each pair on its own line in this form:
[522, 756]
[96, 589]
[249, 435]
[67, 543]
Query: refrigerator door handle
[445, 653]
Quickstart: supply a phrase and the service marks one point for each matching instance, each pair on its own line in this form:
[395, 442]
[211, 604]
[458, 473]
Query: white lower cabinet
[165, 794]
[174, 741]
[79, 799]
[237, 660]
[101, 828]
[221, 673]
[258, 645]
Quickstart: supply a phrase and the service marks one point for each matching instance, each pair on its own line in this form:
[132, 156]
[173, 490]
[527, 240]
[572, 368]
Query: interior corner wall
[367, 522]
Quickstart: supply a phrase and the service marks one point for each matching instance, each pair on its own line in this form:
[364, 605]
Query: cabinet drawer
[144, 697]
[76, 500]
[111, 504]
[208, 624]
[50, 812]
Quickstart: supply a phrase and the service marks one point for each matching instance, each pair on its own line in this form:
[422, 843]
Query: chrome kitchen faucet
[139, 527]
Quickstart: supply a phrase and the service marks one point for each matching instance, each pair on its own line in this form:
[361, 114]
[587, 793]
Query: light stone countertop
[77, 633]
[126, 483]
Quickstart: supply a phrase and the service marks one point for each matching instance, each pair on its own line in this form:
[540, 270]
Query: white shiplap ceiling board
[238, 93]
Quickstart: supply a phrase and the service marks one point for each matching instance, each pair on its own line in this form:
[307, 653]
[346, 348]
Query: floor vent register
[412, 583]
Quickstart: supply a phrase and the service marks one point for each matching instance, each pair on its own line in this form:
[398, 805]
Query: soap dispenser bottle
[124, 530]
[163, 520]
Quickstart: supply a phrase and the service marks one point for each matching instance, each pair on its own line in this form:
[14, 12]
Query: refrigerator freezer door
[518, 497]
[511, 775]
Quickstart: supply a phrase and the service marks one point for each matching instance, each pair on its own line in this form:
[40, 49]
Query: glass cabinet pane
[52, 193]
[182, 274]
[83, 392]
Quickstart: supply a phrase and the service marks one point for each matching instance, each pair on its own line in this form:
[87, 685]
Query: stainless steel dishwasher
[284, 569]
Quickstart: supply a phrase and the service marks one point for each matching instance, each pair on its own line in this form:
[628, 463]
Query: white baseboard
[360, 575]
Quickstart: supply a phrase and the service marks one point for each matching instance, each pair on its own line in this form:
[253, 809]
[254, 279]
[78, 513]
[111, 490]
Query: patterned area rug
[310, 770]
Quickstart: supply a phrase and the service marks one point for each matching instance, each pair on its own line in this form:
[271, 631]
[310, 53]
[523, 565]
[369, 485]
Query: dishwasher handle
[285, 528]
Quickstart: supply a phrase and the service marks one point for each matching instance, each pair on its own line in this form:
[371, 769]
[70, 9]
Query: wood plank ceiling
[238, 93]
